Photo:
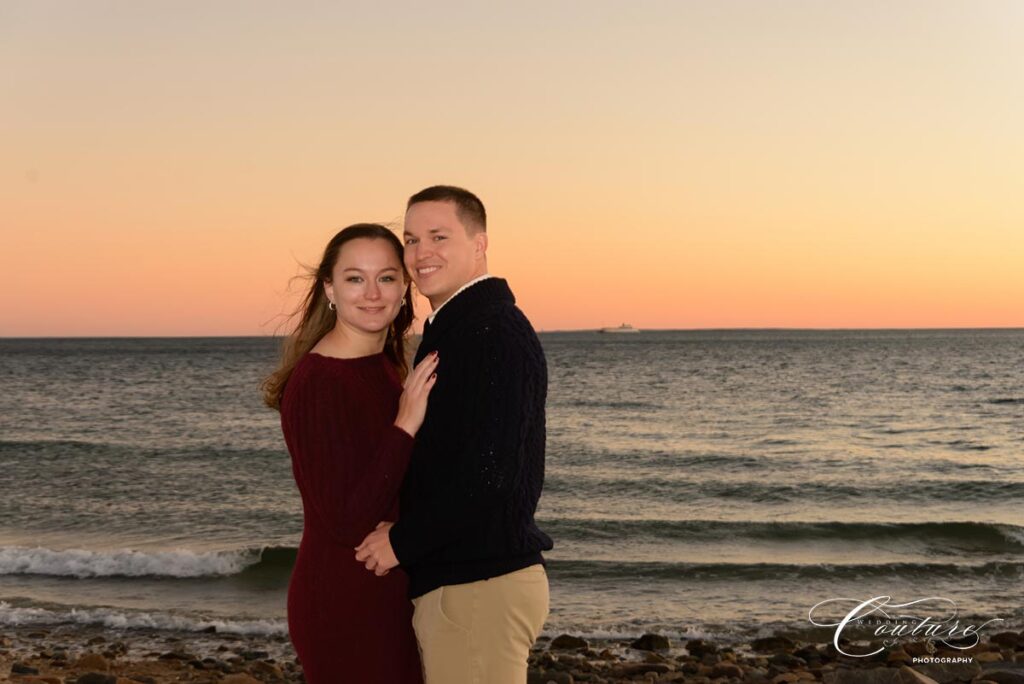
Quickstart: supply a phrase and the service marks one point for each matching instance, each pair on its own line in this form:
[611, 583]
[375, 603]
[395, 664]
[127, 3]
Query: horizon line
[540, 331]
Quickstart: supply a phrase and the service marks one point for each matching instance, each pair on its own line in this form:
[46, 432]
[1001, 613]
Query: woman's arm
[349, 490]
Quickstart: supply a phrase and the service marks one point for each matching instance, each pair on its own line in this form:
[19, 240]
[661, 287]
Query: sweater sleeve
[348, 490]
[489, 462]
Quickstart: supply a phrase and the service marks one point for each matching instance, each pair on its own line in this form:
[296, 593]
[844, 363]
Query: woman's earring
[330, 305]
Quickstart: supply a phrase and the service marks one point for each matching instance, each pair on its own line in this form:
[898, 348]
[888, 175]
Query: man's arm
[508, 377]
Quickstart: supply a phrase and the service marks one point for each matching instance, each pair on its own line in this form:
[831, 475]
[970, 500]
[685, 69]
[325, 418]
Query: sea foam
[21, 560]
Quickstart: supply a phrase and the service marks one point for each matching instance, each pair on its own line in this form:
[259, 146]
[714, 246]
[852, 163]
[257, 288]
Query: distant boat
[624, 328]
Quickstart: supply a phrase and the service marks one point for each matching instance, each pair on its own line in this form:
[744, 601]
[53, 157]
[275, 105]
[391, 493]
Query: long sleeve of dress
[349, 479]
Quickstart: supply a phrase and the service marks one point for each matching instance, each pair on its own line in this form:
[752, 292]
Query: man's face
[439, 253]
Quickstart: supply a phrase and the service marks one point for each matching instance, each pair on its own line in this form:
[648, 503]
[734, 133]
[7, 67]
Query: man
[466, 534]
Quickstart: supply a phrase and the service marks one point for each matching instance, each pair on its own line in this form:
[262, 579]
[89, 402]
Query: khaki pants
[481, 632]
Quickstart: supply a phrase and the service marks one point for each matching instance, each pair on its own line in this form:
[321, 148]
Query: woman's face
[367, 285]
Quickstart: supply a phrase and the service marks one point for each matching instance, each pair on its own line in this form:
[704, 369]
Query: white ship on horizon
[624, 328]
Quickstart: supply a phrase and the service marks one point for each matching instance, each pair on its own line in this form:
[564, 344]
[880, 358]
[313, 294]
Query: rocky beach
[73, 654]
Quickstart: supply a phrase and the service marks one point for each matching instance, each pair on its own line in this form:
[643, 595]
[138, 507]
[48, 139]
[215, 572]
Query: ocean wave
[615, 405]
[120, 619]
[955, 535]
[81, 563]
[588, 570]
[261, 562]
[685, 487]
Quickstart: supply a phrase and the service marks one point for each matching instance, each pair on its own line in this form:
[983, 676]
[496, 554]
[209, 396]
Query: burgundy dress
[348, 458]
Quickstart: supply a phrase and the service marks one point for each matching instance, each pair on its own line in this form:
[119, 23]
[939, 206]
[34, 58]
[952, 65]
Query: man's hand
[375, 552]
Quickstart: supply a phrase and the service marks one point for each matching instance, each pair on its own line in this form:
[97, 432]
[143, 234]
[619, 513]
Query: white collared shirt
[474, 281]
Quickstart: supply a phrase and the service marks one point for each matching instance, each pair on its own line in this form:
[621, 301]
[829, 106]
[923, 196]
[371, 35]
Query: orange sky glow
[719, 164]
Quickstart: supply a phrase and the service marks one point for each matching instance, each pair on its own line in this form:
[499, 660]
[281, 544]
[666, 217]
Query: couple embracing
[416, 484]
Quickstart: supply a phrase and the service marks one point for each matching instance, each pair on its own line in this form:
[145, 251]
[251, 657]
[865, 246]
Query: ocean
[712, 484]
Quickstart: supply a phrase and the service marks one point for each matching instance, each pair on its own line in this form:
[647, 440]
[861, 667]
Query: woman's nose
[373, 291]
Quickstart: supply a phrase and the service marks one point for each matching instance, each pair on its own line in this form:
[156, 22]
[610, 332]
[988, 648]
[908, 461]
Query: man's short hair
[468, 206]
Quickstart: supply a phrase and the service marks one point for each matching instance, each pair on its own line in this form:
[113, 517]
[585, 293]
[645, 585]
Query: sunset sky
[715, 164]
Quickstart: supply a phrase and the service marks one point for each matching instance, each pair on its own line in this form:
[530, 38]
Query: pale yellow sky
[668, 164]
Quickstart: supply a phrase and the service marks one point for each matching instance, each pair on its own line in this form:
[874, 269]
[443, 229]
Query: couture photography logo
[878, 623]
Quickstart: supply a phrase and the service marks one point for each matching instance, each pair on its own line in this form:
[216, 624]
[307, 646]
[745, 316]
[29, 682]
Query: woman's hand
[412, 406]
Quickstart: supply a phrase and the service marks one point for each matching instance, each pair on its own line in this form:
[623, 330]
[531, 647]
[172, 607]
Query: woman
[349, 427]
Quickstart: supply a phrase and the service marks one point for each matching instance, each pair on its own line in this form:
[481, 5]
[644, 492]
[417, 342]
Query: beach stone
[239, 678]
[269, 669]
[962, 642]
[698, 647]
[689, 667]
[897, 656]
[773, 643]
[909, 676]
[22, 668]
[567, 642]
[552, 678]
[808, 652]
[726, 670]
[633, 669]
[755, 674]
[1005, 676]
[786, 660]
[92, 661]
[96, 678]
[96, 640]
[651, 642]
[176, 655]
[949, 673]
[41, 680]
[878, 675]
[989, 657]
[254, 655]
[785, 678]
[916, 648]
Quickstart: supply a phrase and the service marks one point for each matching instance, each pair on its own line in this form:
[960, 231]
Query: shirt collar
[474, 281]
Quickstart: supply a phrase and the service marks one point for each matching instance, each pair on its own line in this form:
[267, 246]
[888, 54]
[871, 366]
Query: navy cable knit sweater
[477, 469]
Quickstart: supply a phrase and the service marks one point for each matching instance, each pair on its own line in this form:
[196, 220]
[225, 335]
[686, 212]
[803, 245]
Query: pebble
[652, 642]
[568, 642]
[21, 668]
[93, 661]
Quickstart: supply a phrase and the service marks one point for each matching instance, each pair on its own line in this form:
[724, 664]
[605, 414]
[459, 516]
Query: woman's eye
[409, 241]
[439, 237]
[388, 279]
[355, 279]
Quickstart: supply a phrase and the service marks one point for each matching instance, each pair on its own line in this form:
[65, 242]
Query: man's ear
[481, 244]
